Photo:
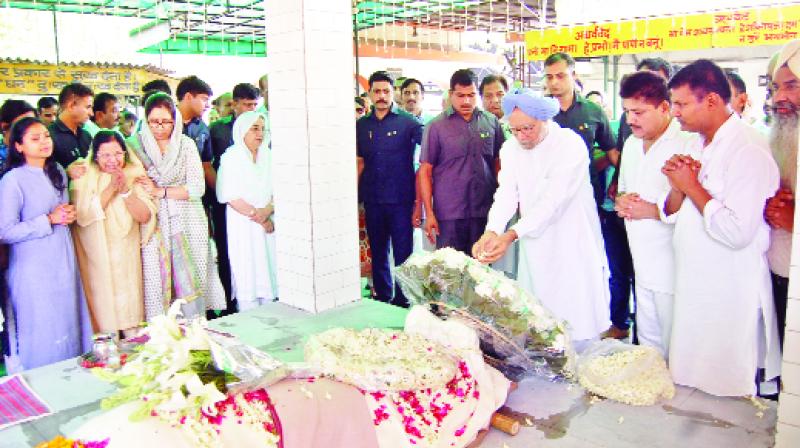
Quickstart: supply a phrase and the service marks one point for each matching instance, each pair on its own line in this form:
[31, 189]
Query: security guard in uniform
[386, 139]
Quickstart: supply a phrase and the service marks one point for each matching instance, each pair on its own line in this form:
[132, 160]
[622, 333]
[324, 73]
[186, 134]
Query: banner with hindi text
[747, 27]
[49, 79]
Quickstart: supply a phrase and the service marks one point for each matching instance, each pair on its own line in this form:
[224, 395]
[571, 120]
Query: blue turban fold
[531, 104]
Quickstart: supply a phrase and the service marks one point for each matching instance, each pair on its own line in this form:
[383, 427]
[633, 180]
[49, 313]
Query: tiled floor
[559, 415]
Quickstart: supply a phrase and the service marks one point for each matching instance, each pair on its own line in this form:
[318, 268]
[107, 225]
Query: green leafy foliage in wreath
[516, 331]
[202, 363]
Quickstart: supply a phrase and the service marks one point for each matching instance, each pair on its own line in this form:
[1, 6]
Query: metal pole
[55, 34]
[615, 82]
[355, 45]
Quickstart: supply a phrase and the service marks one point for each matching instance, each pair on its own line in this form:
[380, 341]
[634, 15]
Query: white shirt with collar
[724, 317]
[651, 240]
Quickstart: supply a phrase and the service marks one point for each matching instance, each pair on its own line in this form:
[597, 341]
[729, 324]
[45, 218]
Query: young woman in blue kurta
[46, 315]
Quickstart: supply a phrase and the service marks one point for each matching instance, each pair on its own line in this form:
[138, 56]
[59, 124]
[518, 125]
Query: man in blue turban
[545, 174]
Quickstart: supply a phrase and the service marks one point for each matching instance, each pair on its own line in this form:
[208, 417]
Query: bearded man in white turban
[545, 173]
[783, 141]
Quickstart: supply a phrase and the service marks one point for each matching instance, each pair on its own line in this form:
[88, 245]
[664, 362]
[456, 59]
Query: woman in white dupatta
[178, 262]
[244, 182]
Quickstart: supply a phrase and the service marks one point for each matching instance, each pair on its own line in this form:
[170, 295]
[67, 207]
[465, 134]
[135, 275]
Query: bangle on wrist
[127, 194]
[165, 193]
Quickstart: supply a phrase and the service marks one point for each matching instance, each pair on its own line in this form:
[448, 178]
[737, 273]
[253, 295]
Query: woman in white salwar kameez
[244, 182]
[545, 172]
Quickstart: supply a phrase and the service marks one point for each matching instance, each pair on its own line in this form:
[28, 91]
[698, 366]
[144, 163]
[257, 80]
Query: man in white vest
[723, 318]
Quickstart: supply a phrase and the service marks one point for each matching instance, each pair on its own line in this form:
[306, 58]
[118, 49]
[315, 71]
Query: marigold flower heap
[513, 325]
[63, 442]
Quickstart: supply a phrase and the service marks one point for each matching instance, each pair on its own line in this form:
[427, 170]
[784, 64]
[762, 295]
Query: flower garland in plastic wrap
[175, 377]
[631, 374]
[515, 329]
[380, 360]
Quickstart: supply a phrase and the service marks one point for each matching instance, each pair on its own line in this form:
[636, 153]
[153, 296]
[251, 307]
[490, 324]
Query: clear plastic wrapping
[518, 335]
[631, 374]
[253, 368]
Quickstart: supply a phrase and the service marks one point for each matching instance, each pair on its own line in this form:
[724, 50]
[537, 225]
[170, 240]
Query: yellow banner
[48, 79]
[748, 27]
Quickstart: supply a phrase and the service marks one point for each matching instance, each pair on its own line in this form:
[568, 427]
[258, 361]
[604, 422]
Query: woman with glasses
[115, 217]
[177, 262]
[46, 316]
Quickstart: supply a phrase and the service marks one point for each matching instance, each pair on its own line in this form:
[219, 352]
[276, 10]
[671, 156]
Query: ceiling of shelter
[461, 15]
[239, 26]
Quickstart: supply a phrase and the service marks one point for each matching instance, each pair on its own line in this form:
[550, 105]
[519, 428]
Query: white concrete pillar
[788, 429]
[310, 48]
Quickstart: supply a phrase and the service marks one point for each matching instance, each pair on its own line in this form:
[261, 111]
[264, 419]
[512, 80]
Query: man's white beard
[783, 142]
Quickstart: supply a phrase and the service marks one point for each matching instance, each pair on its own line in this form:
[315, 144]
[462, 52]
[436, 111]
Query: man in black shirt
[47, 109]
[193, 94]
[245, 99]
[70, 140]
[584, 117]
[589, 121]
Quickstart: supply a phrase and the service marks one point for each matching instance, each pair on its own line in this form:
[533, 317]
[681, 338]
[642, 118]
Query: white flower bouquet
[518, 335]
[193, 378]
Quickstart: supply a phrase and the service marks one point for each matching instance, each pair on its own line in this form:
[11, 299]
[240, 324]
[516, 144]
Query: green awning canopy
[238, 27]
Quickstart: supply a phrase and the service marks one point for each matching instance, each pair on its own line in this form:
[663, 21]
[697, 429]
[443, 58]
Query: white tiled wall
[313, 139]
[788, 430]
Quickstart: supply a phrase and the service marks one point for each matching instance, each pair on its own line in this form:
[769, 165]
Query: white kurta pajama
[724, 317]
[251, 250]
[561, 259]
[650, 240]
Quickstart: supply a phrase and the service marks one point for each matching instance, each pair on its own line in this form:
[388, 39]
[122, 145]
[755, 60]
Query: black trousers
[780, 292]
[389, 224]
[620, 264]
[220, 234]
